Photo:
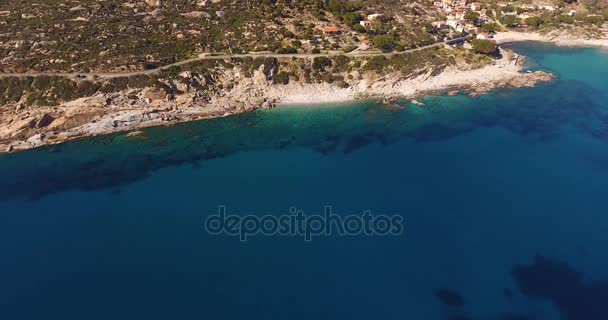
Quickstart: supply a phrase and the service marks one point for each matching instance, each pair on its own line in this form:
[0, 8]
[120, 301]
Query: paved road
[225, 56]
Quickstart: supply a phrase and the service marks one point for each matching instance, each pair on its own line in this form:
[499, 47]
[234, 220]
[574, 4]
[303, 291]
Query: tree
[384, 42]
[490, 27]
[564, 19]
[510, 20]
[534, 22]
[508, 8]
[471, 16]
[287, 50]
[359, 28]
[352, 18]
[320, 63]
[597, 20]
[281, 78]
[484, 46]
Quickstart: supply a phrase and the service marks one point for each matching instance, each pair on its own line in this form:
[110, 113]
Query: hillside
[118, 35]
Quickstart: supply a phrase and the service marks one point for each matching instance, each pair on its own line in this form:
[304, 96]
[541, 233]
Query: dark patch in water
[459, 317]
[329, 145]
[514, 316]
[280, 145]
[436, 132]
[564, 286]
[450, 297]
[358, 142]
[106, 162]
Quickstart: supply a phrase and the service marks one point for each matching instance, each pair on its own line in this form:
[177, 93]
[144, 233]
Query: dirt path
[225, 56]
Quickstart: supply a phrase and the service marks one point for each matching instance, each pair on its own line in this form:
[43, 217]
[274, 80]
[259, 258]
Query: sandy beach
[561, 39]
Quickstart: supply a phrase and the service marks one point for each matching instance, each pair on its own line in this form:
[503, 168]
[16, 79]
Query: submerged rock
[450, 297]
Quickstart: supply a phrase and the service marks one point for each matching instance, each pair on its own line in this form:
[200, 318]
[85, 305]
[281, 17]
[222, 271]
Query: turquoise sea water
[504, 199]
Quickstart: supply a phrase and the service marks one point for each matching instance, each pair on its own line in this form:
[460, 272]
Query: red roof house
[331, 30]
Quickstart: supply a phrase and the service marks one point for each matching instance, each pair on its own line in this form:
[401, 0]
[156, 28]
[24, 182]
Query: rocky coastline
[23, 127]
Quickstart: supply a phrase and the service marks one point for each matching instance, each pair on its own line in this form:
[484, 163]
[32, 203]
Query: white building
[549, 7]
[374, 16]
[453, 23]
[528, 6]
[483, 36]
[440, 25]
[526, 15]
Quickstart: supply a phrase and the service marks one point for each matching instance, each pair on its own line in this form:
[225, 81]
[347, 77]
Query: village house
[365, 44]
[453, 23]
[483, 36]
[440, 4]
[331, 30]
[472, 29]
[475, 6]
[503, 4]
[366, 23]
[528, 6]
[459, 15]
[440, 25]
[527, 15]
[548, 7]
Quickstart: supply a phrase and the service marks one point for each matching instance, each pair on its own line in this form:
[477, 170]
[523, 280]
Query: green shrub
[320, 63]
[281, 78]
[484, 46]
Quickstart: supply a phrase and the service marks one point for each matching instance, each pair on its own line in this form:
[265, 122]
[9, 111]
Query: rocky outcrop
[191, 96]
[153, 3]
[525, 80]
[44, 121]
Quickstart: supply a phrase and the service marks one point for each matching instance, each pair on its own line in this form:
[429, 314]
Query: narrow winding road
[225, 56]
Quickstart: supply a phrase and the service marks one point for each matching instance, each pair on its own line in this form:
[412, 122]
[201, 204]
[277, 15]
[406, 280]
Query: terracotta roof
[331, 29]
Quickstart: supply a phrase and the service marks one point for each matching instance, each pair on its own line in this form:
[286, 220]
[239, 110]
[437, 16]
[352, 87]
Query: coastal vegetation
[343, 70]
[119, 35]
[484, 46]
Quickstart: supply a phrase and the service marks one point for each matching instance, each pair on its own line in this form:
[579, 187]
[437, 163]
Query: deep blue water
[504, 199]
